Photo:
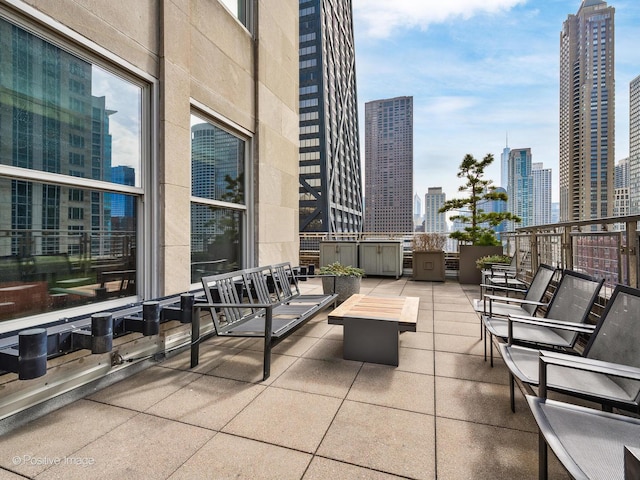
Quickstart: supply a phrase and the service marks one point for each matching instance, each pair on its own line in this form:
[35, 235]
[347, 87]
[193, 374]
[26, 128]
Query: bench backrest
[539, 286]
[572, 301]
[617, 336]
[256, 282]
[285, 281]
[226, 288]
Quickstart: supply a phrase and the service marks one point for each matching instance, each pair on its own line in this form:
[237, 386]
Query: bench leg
[195, 338]
[268, 328]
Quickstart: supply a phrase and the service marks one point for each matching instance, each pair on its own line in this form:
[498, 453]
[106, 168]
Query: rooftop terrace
[442, 413]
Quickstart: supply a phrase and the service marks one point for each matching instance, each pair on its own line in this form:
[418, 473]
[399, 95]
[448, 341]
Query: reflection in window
[58, 111]
[218, 181]
[69, 260]
[216, 240]
[62, 245]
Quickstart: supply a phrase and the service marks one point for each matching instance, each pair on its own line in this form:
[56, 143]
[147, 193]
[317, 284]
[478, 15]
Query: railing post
[533, 247]
[632, 252]
[567, 248]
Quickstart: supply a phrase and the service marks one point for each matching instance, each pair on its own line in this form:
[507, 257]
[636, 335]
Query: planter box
[428, 266]
[345, 286]
[468, 272]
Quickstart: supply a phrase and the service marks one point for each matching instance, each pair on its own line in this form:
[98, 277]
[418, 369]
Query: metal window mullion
[19, 173]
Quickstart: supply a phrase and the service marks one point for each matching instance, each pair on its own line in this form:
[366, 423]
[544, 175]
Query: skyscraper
[433, 202]
[520, 186]
[541, 194]
[587, 98]
[634, 146]
[417, 211]
[504, 167]
[389, 165]
[330, 176]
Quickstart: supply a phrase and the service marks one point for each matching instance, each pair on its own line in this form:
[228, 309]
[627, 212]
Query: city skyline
[471, 89]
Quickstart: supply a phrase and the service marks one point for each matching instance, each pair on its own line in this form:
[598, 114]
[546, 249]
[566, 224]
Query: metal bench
[241, 305]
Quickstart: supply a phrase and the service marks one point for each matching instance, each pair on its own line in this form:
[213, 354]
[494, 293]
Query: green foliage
[480, 223]
[488, 260]
[341, 270]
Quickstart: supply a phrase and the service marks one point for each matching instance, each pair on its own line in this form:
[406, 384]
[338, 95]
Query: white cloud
[381, 17]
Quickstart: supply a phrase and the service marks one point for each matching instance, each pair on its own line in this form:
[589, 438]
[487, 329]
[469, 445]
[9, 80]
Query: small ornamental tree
[480, 223]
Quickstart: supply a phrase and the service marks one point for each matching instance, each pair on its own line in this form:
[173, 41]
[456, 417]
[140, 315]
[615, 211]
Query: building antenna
[507, 145]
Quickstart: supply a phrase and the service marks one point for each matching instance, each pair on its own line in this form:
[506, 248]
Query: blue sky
[477, 70]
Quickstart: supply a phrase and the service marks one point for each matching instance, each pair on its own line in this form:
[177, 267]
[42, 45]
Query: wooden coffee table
[372, 326]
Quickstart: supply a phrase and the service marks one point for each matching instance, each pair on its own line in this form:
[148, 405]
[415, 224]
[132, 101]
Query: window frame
[206, 114]
[44, 27]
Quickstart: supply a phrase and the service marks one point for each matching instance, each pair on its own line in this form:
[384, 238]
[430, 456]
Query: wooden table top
[403, 310]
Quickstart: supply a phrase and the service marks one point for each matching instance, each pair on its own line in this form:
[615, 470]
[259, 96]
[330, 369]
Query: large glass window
[218, 210]
[70, 177]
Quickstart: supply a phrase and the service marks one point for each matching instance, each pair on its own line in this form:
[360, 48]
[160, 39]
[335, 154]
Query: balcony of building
[442, 413]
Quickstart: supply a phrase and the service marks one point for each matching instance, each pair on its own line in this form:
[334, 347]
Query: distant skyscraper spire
[504, 164]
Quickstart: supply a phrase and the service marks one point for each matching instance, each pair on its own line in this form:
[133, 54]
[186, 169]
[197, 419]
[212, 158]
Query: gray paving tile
[458, 344]
[146, 447]
[209, 402]
[294, 345]
[326, 349]
[377, 437]
[7, 475]
[480, 402]
[470, 450]
[457, 317]
[456, 328]
[243, 458]
[452, 304]
[287, 418]
[389, 387]
[326, 469]
[58, 434]
[144, 389]
[320, 376]
[422, 340]
[247, 366]
[470, 367]
[210, 356]
[415, 360]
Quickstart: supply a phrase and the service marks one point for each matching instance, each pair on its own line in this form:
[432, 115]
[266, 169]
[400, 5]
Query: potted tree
[428, 256]
[478, 237]
[341, 279]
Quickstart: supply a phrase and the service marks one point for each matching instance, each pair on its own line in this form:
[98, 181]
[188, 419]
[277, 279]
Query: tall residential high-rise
[330, 172]
[388, 147]
[621, 173]
[634, 146]
[433, 202]
[541, 194]
[520, 191]
[587, 100]
[621, 191]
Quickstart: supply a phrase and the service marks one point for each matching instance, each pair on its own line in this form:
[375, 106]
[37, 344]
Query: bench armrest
[582, 363]
[501, 288]
[548, 323]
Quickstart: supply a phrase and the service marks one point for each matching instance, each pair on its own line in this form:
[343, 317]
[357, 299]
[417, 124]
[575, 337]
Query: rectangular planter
[428, 266]
[468, 272]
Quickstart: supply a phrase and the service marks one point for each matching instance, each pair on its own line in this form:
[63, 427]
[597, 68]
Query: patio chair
[504, 275]
[589, 443]
[499, 306]
[615, 339]
[571, 302]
